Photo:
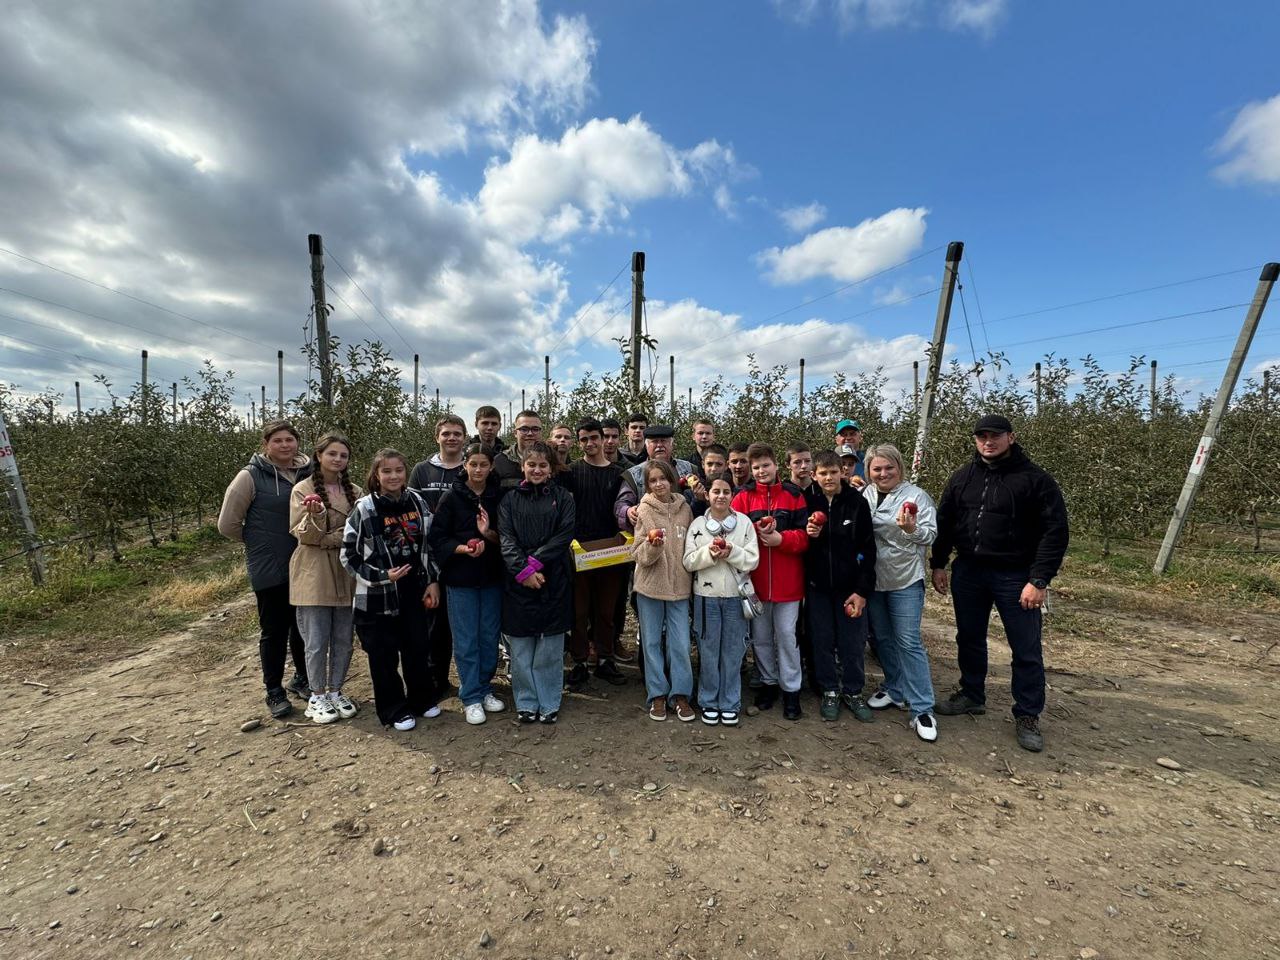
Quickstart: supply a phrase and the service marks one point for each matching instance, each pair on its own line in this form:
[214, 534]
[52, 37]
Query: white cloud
[1252, 144]
[800, 219]
[550, 189]
[848, 254]
[980, 16]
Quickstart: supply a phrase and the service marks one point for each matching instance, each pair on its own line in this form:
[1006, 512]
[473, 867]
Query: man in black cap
[1006, 521]
[658, 445]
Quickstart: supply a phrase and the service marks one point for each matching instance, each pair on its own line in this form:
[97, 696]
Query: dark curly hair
[317, 477]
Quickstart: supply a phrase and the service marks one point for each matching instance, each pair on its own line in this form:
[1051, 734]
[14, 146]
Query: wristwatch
[1040, 583]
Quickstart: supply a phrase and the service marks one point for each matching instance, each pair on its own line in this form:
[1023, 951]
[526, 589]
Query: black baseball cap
[992, 423]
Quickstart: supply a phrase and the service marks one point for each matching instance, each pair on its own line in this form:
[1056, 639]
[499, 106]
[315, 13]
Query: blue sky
[484, 170]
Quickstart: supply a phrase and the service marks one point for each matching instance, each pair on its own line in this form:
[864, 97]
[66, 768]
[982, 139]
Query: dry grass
[198, 595]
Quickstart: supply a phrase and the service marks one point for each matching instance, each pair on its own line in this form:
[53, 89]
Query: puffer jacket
[454, 524]
[535, 526]
[255, 510]
[842, 557]
[660, 572]
[1007, 514]
[779, 578]
[719, 578]
[316, 575]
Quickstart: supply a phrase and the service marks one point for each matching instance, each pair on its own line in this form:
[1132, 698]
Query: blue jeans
[475, 618]
[722, 643]
[537, 671]
[895, 617]
[974, 590]
[671, 676]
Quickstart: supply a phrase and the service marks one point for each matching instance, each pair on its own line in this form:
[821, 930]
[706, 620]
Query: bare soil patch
[138, 820]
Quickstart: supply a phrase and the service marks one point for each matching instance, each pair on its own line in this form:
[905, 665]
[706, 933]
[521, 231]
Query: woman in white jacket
[720, 549]
[905, 523]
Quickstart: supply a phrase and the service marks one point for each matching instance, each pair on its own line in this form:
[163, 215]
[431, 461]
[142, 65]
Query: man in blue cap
[849, 434]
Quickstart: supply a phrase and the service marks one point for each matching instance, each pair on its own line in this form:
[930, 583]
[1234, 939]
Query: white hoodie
[719, 578]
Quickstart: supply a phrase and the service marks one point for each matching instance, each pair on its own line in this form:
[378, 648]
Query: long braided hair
[317, 478]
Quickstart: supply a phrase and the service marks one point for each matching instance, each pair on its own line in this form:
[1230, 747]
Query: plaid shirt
[367, 557]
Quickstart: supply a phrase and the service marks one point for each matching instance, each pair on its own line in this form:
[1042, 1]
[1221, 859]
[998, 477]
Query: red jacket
[779, 578]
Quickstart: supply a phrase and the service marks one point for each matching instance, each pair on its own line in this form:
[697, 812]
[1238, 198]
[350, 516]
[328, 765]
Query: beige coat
[316, 575]
[660, 572]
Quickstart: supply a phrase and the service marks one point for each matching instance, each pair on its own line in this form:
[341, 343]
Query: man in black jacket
[1007, 522]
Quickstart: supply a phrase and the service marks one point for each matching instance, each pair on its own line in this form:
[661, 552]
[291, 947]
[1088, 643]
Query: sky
[481, 174]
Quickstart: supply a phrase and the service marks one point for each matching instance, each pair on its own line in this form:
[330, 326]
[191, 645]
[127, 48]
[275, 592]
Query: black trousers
[400, 662]
[279, 632]
[837, 643]
[440, 644]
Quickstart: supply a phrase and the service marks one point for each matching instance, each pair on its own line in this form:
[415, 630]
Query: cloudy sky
[481, 173]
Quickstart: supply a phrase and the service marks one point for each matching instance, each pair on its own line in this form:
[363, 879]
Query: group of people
[803, 558]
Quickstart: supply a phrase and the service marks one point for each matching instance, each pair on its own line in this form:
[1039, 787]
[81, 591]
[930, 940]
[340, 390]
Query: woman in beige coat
[662, 591]
[319, 588]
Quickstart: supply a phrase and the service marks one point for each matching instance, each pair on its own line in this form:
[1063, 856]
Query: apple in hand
[657, 535]
[910, 507]
[818, 518]
[765, 524]
[720, 543]
[848, 609]
[474, 543]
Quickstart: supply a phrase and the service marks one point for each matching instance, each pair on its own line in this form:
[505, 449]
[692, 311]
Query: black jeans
[399, 646]
[440, 644]
[833, 634]
[279, 632]
[974, 590]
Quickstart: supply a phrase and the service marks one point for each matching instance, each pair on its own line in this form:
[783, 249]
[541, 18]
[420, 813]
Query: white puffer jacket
[717, 578]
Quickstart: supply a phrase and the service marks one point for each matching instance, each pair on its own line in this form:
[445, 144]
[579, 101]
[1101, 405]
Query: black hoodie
[1007, 514]
[454, 524]
[842, 558]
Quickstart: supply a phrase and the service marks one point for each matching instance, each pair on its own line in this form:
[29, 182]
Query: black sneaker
[278, 703]
[1029, 735]
[958, 704]
[577, 677]
[551, 717]
[791, 705]
[526, 716]
[608, 672]
[297, 685]
[767, 696]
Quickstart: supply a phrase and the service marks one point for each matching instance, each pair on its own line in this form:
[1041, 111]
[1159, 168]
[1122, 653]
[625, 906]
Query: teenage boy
[849, 434]
[528, 431]
[488, 428]
[840, 574]
[611, 434]
[434, 476]
[562, 442]
[595, 592]
[851, 465]
[800, 466]
[779, 512]
[739, 465]
[704, 435]
[715, 461]
[633, 450]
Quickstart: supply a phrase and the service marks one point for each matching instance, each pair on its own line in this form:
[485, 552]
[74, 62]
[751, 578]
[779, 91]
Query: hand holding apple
[313, 503]
[476, 546]
[656, 536]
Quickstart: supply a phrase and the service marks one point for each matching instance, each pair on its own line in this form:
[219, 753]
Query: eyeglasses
[528, 429]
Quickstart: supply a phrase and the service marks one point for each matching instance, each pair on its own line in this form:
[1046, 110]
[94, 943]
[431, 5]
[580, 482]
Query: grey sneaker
[830, 709]
[1029, 735]
[278, 703]
[858, 707]
[297, 685]
[959, 703]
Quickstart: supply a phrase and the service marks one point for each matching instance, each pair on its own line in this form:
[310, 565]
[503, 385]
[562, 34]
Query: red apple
[910, 507]
[765, 523]
[310, 498]
[720, 543]
[474, 543]
[656, 535]
[684, 483]
[848, 609]
[818, 518]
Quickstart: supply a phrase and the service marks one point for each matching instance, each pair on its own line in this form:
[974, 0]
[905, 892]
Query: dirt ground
[138, 820]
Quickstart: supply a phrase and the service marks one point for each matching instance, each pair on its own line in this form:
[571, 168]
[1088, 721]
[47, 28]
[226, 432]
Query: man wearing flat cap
[1005, 518]
[659, 444]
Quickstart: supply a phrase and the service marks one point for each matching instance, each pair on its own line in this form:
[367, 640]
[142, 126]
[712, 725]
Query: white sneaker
[345, 706]
[431, 712]
[882, 701]
[925, 727]
[493, 704]
[474, 713]
[320, 710]
[408, 723]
